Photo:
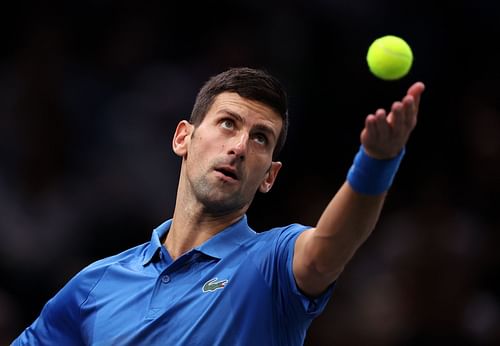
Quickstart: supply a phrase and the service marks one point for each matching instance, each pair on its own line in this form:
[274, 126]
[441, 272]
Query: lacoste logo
[214, 284]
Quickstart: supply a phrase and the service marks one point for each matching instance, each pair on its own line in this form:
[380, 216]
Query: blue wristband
[372, 176]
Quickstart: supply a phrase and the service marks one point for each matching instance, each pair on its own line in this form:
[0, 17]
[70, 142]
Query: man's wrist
[371, 176]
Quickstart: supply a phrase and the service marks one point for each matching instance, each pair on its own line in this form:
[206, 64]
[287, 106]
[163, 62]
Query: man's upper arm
[307, 276]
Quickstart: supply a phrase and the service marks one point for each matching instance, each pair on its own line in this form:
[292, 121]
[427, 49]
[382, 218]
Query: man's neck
[189, 230]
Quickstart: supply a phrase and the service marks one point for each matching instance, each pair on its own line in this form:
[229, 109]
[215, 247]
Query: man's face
[229, 155]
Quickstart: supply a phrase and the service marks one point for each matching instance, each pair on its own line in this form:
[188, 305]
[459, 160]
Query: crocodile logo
[214, 284]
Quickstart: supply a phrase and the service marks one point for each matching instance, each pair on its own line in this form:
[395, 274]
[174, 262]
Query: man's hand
[384, 136]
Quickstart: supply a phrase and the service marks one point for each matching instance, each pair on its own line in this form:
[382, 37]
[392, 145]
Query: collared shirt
[237, 288]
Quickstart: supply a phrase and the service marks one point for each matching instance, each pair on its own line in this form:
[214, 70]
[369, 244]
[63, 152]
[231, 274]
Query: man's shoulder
[129, 257]
[283, 231]
[277, 235]
[78, 288]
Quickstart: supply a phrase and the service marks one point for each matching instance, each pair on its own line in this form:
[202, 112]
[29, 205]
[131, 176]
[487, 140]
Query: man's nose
[239, 145]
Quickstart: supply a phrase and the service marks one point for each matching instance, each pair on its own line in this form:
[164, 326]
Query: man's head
[252, 84]
[237, 127]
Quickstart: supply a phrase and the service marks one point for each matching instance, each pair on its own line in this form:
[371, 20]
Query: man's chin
[223, 205]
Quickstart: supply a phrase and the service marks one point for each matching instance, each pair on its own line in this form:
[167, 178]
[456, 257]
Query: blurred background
[91, 92]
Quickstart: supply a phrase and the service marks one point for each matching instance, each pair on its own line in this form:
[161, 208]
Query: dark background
[90, 93]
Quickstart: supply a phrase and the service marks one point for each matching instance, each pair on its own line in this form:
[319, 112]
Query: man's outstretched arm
[322, 252]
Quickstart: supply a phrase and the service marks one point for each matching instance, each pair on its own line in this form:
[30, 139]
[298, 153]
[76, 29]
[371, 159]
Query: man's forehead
[231, 101]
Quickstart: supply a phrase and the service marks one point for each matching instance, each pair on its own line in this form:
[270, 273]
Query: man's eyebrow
[259, 127]
[231, 113]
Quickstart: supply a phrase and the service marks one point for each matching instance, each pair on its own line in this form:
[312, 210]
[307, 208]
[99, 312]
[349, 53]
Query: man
[206, 278]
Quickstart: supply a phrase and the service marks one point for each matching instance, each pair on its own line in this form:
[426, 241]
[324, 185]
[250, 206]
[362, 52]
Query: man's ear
[270, 177]
[182, 135]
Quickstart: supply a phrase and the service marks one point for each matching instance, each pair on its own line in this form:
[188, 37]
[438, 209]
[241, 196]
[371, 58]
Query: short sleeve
[309, 306]
[59, 321]
[295, 304]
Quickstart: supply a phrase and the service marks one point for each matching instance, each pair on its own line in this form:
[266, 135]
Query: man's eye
[227, 124]
[261, 139]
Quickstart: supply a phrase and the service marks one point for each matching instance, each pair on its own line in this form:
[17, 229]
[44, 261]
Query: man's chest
[217, 297]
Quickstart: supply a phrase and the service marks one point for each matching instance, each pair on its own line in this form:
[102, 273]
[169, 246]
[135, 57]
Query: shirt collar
[155, 244]
[218, 246]
[224, 242]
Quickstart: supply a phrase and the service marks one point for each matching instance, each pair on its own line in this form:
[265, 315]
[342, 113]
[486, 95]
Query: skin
[239, 135]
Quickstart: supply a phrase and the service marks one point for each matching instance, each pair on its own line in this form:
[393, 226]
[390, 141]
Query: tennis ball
[389, 57]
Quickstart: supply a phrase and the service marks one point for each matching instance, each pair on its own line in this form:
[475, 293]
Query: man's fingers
[384, 129]
[416, 88]
[371, 128]
[396, 118]
[410, 110]
[380, 124]
[416, 91]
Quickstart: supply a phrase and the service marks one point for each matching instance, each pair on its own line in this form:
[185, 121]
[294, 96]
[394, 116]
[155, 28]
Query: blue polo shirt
[237, 288]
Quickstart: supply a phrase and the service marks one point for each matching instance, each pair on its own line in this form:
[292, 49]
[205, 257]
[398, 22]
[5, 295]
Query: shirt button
[165, 279]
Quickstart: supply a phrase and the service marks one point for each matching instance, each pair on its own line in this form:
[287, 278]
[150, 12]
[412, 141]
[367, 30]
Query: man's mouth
[227, 172]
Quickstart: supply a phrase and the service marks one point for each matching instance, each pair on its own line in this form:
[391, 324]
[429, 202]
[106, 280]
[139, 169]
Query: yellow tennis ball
[389, 57]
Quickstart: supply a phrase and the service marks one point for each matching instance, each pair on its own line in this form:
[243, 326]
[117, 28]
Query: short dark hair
[253, 84]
